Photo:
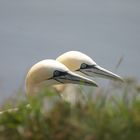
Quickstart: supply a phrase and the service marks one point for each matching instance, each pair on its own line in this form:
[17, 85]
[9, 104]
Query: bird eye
[83, 66]
[56, 73]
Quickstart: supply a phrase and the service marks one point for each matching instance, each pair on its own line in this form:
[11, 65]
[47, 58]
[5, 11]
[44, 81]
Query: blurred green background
[103, 117]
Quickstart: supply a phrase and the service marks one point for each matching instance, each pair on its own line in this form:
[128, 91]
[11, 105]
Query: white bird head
[80, 62]
[51, 72]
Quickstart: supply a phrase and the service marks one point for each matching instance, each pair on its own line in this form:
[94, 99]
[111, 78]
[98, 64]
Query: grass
[102, 118]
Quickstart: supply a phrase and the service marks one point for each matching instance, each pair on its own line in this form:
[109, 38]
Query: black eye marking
[86, 66]
[59, 73]
[56, 73]
[83, 66]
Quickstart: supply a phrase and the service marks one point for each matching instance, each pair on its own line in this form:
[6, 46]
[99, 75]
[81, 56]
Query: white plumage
[82, 64]
[51, 72]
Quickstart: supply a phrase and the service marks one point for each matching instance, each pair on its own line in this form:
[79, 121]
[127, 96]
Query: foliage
[106, 117]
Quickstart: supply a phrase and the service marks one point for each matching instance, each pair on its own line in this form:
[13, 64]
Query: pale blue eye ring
[56, 73]
[83, 66]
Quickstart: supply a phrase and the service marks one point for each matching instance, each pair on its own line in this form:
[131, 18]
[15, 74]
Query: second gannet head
[80, 62]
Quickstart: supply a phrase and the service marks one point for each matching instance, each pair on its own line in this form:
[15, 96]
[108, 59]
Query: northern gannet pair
[62, 71]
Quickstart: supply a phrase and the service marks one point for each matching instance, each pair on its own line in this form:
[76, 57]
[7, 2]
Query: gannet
[51, 72]
[81, 63]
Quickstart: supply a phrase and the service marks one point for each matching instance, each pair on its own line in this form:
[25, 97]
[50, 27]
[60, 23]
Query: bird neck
[59, 88]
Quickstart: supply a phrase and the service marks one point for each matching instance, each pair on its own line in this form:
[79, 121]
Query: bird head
[50, 72]
[80, 62]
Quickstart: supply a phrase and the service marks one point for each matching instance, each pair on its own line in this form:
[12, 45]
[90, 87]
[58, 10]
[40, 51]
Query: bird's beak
[73, 78]
[96, 70]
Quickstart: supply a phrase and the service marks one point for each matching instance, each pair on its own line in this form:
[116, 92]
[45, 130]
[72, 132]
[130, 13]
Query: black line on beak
[58, 80]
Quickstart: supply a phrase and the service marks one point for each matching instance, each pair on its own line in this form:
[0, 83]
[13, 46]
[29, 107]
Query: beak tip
[95, 84]
[120, 79]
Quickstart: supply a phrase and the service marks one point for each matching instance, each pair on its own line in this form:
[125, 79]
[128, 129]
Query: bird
[79, 62]
[82, 64]
[50, 72]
